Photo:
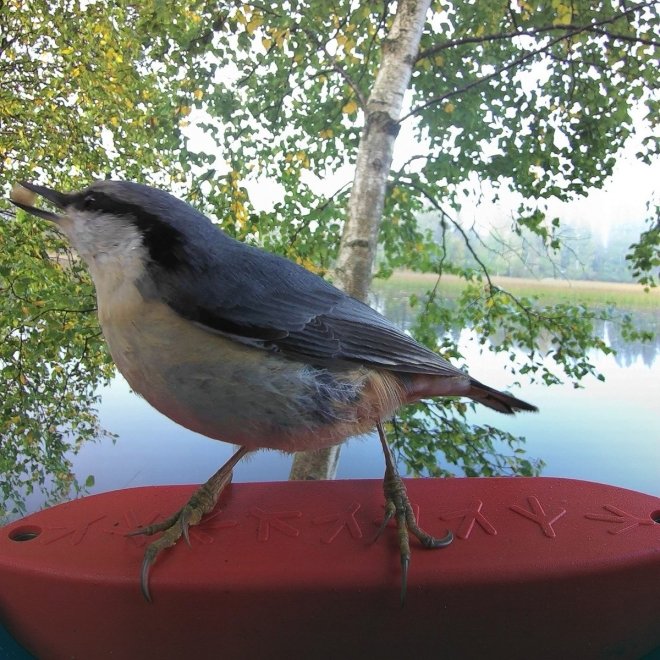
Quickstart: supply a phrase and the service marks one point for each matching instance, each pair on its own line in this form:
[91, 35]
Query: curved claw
[405, 562]
[202, 501]
[149, 558]
[139, 531]
[173, 529]
[167, 540]
[154, 528]
[390, 510]
[434, 542]
[398, 506]
[185, 526]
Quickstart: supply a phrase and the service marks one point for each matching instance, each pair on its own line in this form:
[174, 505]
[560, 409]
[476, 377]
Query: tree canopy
[537, 97]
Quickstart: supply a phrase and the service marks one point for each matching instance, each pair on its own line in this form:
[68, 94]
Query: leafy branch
[337, 68]
[570, 31]
[436, 205]
[569, 28]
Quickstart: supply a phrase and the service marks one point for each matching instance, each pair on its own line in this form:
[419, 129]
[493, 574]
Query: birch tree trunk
[357, 250]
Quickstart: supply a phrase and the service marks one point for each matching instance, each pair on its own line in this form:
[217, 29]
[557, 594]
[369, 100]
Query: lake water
[608, 431]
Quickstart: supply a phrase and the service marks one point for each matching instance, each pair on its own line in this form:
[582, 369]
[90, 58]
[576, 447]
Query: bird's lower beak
[23, 196]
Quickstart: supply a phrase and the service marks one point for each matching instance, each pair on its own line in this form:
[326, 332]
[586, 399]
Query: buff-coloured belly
[239, 394]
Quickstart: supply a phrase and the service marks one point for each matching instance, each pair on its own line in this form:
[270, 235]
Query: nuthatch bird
[242, 345]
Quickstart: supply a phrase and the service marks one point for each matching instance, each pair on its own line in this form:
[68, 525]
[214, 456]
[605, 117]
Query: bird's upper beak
[21, 197]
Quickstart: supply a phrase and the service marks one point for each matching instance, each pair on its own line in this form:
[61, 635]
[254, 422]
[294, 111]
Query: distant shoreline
[622, 294]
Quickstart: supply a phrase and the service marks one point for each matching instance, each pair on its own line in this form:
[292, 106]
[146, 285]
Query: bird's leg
[202, 501]
[397, 506]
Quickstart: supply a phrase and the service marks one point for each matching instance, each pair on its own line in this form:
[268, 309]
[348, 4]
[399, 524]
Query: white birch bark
[359, 241]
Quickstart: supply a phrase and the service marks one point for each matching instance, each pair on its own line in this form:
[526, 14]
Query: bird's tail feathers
[500, 401]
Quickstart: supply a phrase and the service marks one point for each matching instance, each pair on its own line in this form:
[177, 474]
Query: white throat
[114, 252]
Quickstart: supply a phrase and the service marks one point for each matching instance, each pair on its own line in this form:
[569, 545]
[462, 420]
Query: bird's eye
[89, 201]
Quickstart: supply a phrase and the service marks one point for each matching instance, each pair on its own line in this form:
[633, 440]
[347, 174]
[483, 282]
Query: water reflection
[397, 308]
[629, 352]
[603, 431]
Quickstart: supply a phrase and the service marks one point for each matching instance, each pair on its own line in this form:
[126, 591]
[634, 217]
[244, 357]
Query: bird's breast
[228, 391]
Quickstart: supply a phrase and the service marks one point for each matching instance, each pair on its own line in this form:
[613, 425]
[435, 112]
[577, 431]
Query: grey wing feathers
[354, 331]
[264, 300]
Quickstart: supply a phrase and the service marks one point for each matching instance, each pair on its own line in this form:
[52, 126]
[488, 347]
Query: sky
[622, 199]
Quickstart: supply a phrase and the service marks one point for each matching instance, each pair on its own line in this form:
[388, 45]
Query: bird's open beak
[21, 195]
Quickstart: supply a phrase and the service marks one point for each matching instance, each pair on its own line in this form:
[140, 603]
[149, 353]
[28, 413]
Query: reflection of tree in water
[629, 352]
[397, 308]
[52, 362]
[438, 435]
[436, 438]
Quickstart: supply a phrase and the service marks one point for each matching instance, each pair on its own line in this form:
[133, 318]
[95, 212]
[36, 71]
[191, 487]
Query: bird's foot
[203, 501]
[397, 506]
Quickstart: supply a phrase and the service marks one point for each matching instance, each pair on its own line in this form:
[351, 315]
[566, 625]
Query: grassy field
[549, 291]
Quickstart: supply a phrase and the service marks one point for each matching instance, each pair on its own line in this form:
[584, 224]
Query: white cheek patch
[113, 250]
[94, 235]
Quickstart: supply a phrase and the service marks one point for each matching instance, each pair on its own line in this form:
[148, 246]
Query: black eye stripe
[89, 201]
[97, 201]
[162, 240]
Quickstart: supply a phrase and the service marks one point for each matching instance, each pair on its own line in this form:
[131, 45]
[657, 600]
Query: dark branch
[569, 28]
[361, 98]
[628, 38]
[479, 81]
[571, 32]
[319, 209]
[436, 205]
